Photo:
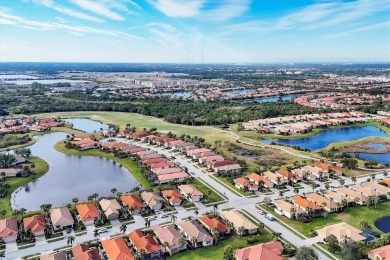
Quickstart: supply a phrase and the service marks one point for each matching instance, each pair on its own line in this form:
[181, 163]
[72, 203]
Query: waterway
[70, 177]
[382, 158]
[327, 137]
[86, 125]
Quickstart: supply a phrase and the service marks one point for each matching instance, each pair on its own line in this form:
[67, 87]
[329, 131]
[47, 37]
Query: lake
[177, 93]
[329, 136]
[383, 224]
[70, 177]
[86, 125]
[238, 91]
[16, 76]
[377, 146]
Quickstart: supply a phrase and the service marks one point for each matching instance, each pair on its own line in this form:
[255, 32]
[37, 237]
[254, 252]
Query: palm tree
[228, 253]
[22, 211]
[113, 191]
[215, 208]
[276, 236]
[215, 234]
[165, 245]
[3, 212]
[260, 227]
[342, 182]
[96, 234]
[353, 178]
[373, 175]
[363, 223]
[147, 222]
[96, 196]
[296, 190]
[313, 186]
[281, 193]
[241, 231]
[182, 241]
[196, 212]
[278, 181]
[75, 200]
[2, 254]
[123, 228]
[48, 231]
[173, 217]
[70, 240]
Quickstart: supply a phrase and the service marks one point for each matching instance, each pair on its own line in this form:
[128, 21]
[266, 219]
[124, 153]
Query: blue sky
[176, 30]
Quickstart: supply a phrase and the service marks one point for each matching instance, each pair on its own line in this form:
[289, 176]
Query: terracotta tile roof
[84, 252]
[266, 251]
[8, 227]
[145, 242]
[284, 173]
[214, 223]
[155, 160]
[87, 211]
[117, 249]
[35, 223]
[382, 253]
[244, 182]
[304, 203]
[132, 201]
[258, 178]
[174, 195]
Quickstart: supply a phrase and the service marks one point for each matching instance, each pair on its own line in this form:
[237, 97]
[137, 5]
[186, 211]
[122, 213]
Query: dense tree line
[175, 111]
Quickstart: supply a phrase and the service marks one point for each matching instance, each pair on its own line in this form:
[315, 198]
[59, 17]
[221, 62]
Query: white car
[261, 212]
[103, 230]
[164, 215]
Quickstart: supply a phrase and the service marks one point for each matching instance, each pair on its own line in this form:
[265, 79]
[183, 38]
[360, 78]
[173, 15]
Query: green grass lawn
[214, 197]
[41, 167]
[130, 165]
[140, 121]
[352, 215]
[216, 252]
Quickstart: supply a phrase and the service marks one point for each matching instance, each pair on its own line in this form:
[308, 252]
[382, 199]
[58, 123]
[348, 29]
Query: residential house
[168, 171]
[172, 236]
[133, 202]
[358, 197]
[341, 231]
[36, 224]
[213, 165]
[328, 169]
[60, 255]
[9, 229]
[315, 171]
[211, 158]
[243, 183]
[145, 242]
[173, 196]
[338, 197]
[369, 192]
[84, 252]
[10, 172]
[306, 205]
[275, 179]
[256, 178]
[380, 253]
[116, 249]
[381, 189]
[87, 213]
[154, 201]
[158, 166]
[288, 176]
[327, 204]
[190, 192]
[61, 218]
[110, 208]
[195, 233]
[265, 251]
[211, 223]
[175, 177]
[228, 169]
[287, 209]
[239, 220]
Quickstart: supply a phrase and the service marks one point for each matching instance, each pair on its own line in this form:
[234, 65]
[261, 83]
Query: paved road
[233, 201]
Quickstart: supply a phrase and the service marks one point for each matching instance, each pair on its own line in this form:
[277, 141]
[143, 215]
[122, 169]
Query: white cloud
[178, 8]
[214, 10]
[371, 27]
[99, 8]
[14, 20]
[166, 27]
[316, 16]
[67, 11]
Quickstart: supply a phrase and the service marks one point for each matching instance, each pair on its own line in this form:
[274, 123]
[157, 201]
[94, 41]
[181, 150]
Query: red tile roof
[145, 242]
[87, 211]
[214, 223]
[133, 202]
[84, 252]
[117, 249]
[35, 223]
[266, 251]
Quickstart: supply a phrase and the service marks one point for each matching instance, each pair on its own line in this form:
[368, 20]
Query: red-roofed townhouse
[147, 243]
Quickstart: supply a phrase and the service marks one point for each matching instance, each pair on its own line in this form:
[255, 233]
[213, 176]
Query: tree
[228, 253]
[349, 250]
[3, 212]
[75, 200]
[123, 228]
[276, 236]
[353, 178]
[196, 212]
[2, 254]
[260, 227]
[241, 231]
[363, 223]
[215, 234]
[113, 191]
[70, 240]
[165, 245]
[333, 243]
[306, 253]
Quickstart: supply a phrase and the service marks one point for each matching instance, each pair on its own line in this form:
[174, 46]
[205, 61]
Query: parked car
[270, 217]
[102, 230]
[164, 215]
[261, 212]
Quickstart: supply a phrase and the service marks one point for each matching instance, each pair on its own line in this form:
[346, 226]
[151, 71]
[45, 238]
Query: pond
[70, 177]
[86, 125]
[269, 99]
[382, 158]
[177, 93]
[244, 153]
[377, 146]
[383, 224]
[327, 137]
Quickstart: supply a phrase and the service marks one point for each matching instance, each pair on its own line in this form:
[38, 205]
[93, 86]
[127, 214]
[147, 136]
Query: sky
[184, 31]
